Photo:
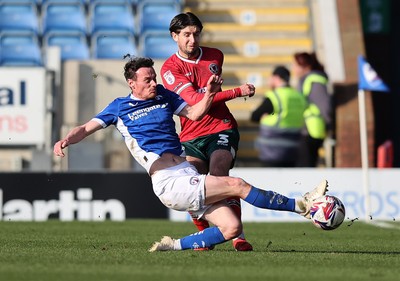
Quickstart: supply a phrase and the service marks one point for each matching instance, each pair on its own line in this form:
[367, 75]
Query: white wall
[327, 38]
[346, 184]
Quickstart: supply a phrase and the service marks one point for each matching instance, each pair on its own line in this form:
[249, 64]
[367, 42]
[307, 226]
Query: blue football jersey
[147, 126]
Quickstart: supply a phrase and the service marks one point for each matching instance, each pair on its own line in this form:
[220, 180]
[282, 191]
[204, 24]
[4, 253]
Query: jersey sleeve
[175, 80]
[175, 101]
[109, 115]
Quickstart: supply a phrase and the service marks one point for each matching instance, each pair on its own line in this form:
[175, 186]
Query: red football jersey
[188, 78]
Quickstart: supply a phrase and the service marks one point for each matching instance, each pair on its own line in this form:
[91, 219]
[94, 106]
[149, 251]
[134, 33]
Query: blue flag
[368, 79]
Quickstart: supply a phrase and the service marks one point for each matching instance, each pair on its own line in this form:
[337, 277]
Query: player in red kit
[210, 144]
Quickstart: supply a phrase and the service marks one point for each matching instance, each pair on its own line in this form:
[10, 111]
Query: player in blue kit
[145, 120]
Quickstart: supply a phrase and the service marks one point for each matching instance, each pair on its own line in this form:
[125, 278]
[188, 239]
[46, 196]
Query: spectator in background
[313, 82]
[211, 143]
[281, 119]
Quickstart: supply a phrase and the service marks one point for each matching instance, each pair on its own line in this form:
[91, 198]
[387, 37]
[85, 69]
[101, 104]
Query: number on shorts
[223, 139]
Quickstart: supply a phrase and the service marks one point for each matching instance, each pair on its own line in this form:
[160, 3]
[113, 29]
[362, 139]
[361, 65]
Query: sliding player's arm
[76, 135]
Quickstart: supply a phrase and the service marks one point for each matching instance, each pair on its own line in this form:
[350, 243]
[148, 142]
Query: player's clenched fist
[58, 148]
[247, 90]
[214, 84]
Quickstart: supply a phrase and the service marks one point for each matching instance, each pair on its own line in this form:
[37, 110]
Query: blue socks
[269, 200]
[257, 197]
[206, 238]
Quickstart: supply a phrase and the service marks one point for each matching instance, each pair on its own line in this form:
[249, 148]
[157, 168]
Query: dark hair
[309, 60]
[134, 64]
[282, 72]
[183, 20]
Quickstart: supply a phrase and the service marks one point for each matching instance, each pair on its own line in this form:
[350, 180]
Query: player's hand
[59, 146]
[214, 84]
[248, 90]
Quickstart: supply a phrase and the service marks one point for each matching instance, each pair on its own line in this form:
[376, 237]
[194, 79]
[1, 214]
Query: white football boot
[166, 244]
[306, 202]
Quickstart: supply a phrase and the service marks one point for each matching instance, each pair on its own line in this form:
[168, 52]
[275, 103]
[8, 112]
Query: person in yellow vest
[281, 119]
[313, 82]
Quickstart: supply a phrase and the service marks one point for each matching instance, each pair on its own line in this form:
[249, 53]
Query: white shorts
[181, 188]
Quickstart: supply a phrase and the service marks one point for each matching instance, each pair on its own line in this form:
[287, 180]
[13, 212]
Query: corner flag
[368, 79]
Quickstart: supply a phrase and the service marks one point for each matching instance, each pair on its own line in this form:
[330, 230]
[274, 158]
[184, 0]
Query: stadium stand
[83, 2]
[111, 16]
[20, 54]
[113, 45]
[63, 17]
[153, 19]
[73, 45]
[115, 1]
[11, 37]
[36, 2]
[157, 45]
[18, 16]
[156, 15]
[132, 21]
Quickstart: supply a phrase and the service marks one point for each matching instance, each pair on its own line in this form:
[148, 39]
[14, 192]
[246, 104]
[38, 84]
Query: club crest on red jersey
[213, 68]
[169, 77]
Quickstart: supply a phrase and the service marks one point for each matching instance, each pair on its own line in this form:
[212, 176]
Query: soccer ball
[327, 212]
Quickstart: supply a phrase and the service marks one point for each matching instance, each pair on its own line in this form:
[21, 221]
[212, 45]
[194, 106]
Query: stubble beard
[192, 54]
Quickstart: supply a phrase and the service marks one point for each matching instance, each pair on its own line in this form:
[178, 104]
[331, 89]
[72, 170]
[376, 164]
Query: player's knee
[231, 230]
[239, 186]
[236, 182]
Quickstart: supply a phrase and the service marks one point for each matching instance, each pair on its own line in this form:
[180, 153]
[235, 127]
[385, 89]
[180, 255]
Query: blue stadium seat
[19, 51]
[64, 17]
[157, 45]
[17, 16]
[115, 1]
[36, 2]
[111, 16]
[83, 2]
[20, 55]
[73, 45]
[17, 37]
[180, 2]
[113, 45]
[156, 15]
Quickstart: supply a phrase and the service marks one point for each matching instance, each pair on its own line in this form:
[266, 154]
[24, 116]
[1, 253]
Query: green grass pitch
[88, 251]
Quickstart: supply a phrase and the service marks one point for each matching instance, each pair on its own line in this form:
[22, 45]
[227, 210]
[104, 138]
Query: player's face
[144, 87]
[188, 40]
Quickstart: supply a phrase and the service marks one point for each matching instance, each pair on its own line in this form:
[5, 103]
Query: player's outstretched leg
[240, 243]
[310, 196]
[201, 224]
[204, 239]
[271, 200]
[257, 197]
